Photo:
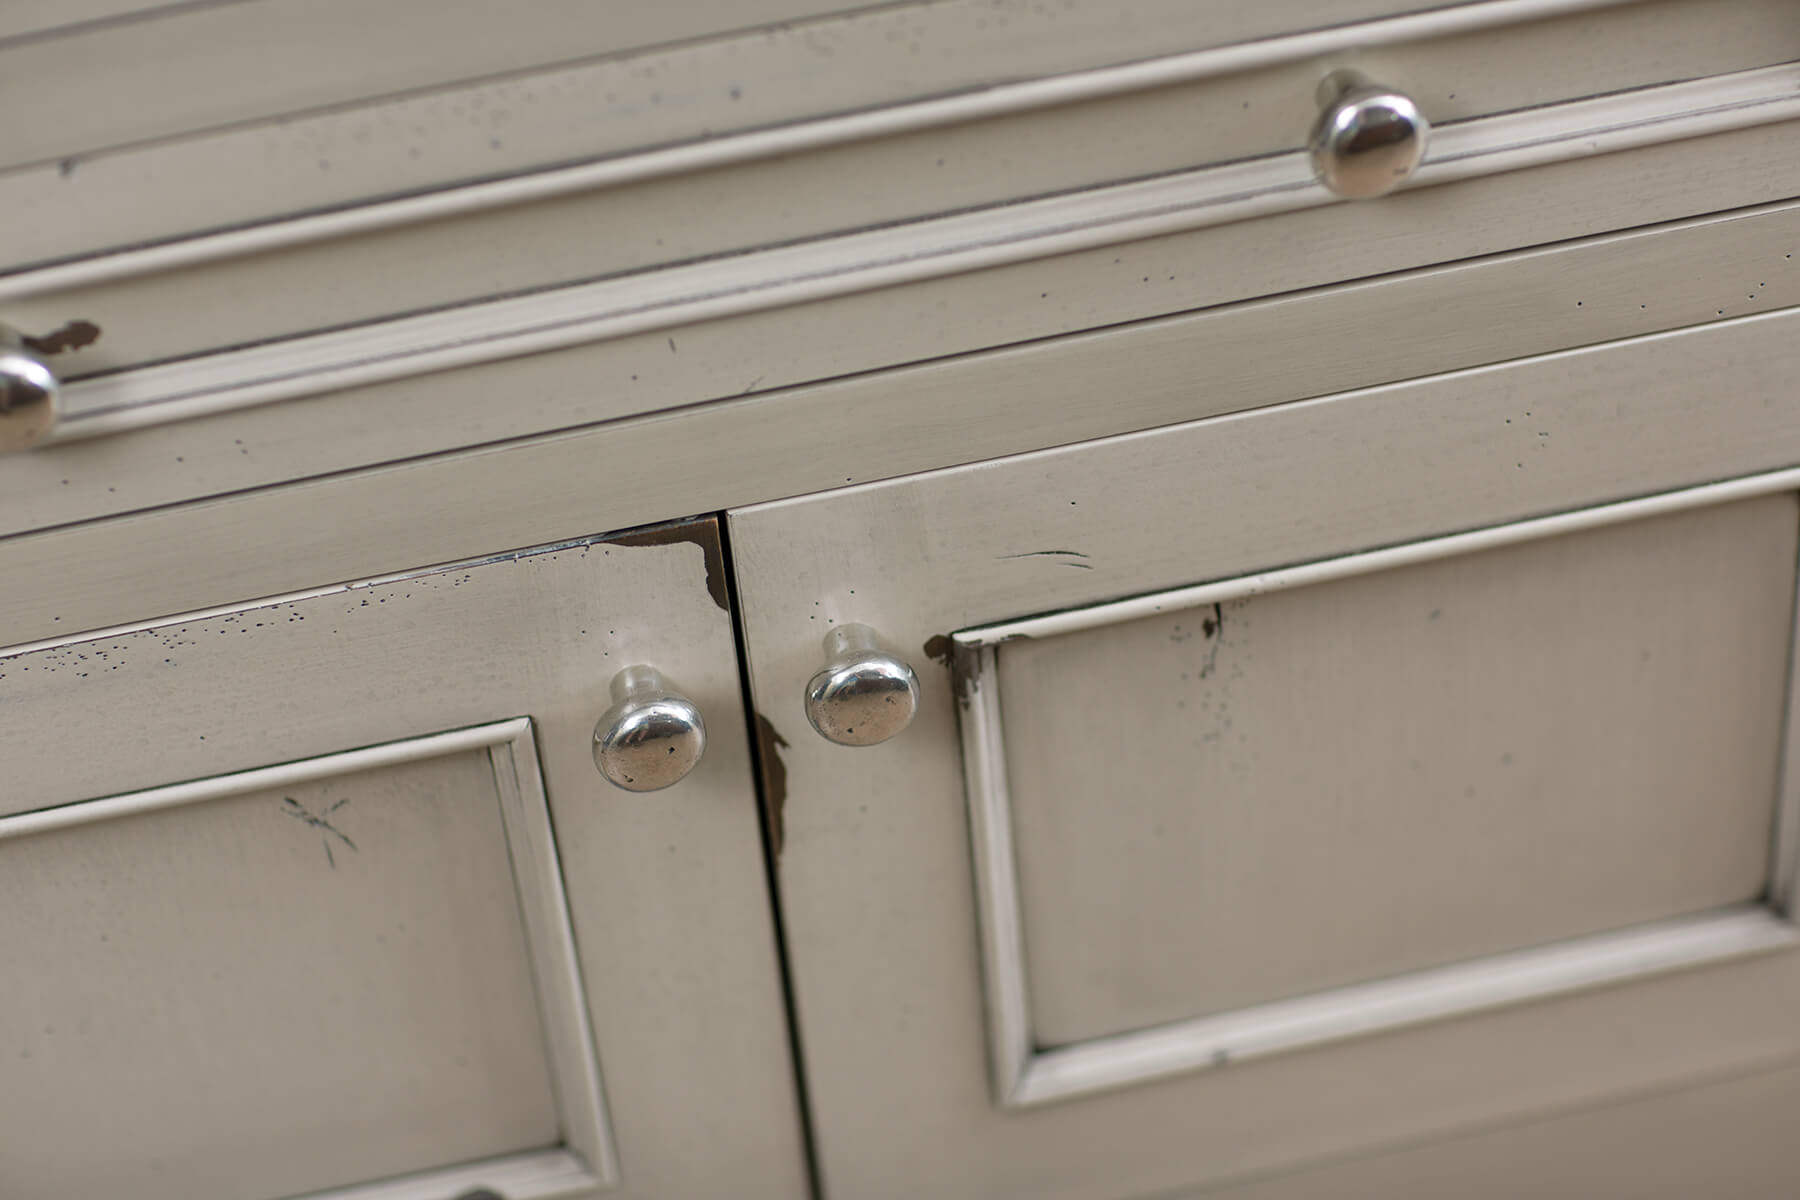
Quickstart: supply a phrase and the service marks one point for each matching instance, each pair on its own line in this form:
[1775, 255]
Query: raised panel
[325, 973]
[434, 732]
[1284, 792]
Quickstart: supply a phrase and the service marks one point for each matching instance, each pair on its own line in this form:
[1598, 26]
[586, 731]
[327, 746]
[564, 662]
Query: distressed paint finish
[343, 267]
[923, 65]
[879, 904]
[663, 891]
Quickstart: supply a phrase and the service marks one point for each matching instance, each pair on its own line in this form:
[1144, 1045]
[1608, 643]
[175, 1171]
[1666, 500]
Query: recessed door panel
[343, 943]
[1276, 794]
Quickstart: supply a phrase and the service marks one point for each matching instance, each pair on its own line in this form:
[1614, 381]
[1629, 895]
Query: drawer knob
[651, 737]
[1369, 139]
[29, 394]
[863, 695]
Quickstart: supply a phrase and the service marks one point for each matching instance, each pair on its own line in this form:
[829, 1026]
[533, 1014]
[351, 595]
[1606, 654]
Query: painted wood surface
[879, 902]
[302, 1019]
[830, 267]
[922, 65]
[1031, 1069]
[1411, 743]
[655, 211]
[967, 407]
[667, 895]
[458, 506]
[1725, 1136]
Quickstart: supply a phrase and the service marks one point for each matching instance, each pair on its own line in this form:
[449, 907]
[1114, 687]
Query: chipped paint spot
[941, 648]
[704, 533]
[73, 335]
[769, 745]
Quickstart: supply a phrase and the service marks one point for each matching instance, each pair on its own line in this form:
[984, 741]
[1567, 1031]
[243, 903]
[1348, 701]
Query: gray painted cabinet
[1341, 653]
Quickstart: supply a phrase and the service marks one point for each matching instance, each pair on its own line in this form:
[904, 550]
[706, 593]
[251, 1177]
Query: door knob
[29, 394]
[651, 736]
[1369, 139]
[862, 695]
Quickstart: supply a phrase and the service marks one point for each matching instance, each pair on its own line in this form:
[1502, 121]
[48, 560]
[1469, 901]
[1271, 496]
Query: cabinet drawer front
[164, 298]
[295, 891]
[1300, 782]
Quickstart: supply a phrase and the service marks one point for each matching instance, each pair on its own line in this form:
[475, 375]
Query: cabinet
[1319, 673]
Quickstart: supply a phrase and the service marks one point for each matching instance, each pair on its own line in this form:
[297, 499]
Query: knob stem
[850, 639]
[638, 683]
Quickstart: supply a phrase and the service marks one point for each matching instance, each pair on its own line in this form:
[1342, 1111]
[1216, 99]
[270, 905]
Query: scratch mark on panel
[327, 830]
[1061, 557]
[1214, 628]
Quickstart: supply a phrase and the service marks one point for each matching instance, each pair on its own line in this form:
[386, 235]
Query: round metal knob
[1369, 139]
[29, 394]
[650, 737]
[863, 695]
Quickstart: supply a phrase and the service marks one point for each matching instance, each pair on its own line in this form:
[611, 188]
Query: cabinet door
[325, 896]
[1299, 785]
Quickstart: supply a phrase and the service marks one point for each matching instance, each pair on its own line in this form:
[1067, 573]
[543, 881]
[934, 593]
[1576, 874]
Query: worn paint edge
[21, 649]
[869, 260]
[699, 531]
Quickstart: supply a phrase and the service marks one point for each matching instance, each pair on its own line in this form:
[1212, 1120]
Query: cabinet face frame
[1024, 1075]
[586, 1164]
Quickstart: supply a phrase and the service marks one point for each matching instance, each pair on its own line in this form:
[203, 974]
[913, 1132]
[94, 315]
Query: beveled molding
[586, 1165]
[841, 265]
[1023, 1075]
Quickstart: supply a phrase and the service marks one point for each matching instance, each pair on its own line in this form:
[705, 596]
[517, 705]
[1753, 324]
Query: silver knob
[1369, 139]
[29, 394]
[650, 737]
[863, 695]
